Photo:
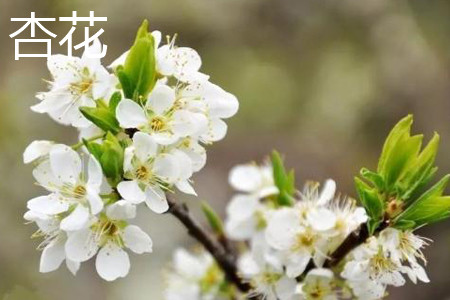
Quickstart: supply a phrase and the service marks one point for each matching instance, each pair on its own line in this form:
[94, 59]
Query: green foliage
[429, 208]
[284, 181]
[213, 219]
[110, 155]
[373, 203]
[403, 171]
[138, 75]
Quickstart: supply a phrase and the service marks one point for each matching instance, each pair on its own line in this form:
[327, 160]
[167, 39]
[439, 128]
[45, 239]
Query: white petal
[245, 178]
[73, 266]
[131, 191]
[185, 187]
[161, 99]
[282, 229]
[95, 201]
[217, 131]
[119, 61]
[130, 114]
[81, 245]
[77, 220]
[121, 210]
[95, 172]
[189, 265]
[221, 104]
[297, 264]
[36, 150]
[156, 199]
[321, 219]
[45, 177]
[52, 256]
[327, 193]
[112, 262]
[166, 167]
[65, 163]
[144, 145]
[50, 205]
[137, 240]
[187, 123]
[285, 288]
[242, 207]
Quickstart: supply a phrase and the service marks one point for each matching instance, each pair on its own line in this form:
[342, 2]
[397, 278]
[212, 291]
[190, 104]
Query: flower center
[79, 191]
[304, 240]
[143, 173]
[157, 123]
[381, 264]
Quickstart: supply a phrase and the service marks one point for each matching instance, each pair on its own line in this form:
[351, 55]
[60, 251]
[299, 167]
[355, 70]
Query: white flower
[404, 246]
[370, 269]
[264, 271]
[318, 285]
[109, 235]
[246, 215]
[76, 82]
[183, 63]
[298, 242]
[253, 179]
[72, 195]
[52, 247]
[161, 117]
[192, 148]
[212, 101]
[36, 150]
[150, 173]
[193, 277]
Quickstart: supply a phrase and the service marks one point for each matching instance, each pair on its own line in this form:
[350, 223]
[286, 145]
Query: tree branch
[353, 240]
[225, 260]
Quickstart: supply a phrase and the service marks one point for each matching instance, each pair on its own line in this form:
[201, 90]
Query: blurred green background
[322, 81]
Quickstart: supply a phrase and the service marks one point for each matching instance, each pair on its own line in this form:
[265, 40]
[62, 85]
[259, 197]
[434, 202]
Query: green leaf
[112, 159]
[110, 155]
[372, 202]
[213, 219]
[114, 101]
[285, 182]
[95, 149]
[431, 207]
[405, 150]
[125, 82]
[140, 64]
[421, 169]
[400, 129]
[375, 178]
[102, 118]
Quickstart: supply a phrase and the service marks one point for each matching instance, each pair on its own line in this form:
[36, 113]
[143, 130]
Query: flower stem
[80, 144]
[225, 260]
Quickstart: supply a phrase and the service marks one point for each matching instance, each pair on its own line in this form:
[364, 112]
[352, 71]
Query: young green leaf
[285, 182]
[213, 219]
[372, 202]
[140, 64]
[400, 129]
[102, 118]
[114, 101]
[431, 207]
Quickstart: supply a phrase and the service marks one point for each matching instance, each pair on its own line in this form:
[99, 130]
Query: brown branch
[225, 260]
[353, 240]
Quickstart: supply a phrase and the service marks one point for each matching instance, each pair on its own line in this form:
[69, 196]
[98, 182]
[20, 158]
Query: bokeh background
[322, 81]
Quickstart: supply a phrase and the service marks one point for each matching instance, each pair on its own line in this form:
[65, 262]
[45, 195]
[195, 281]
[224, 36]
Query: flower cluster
[286, 246]
[285, 239]
[196, 276]
[142, 126]
[382, 260]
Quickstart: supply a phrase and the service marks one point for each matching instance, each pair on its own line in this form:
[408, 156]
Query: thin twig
[224, 260]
